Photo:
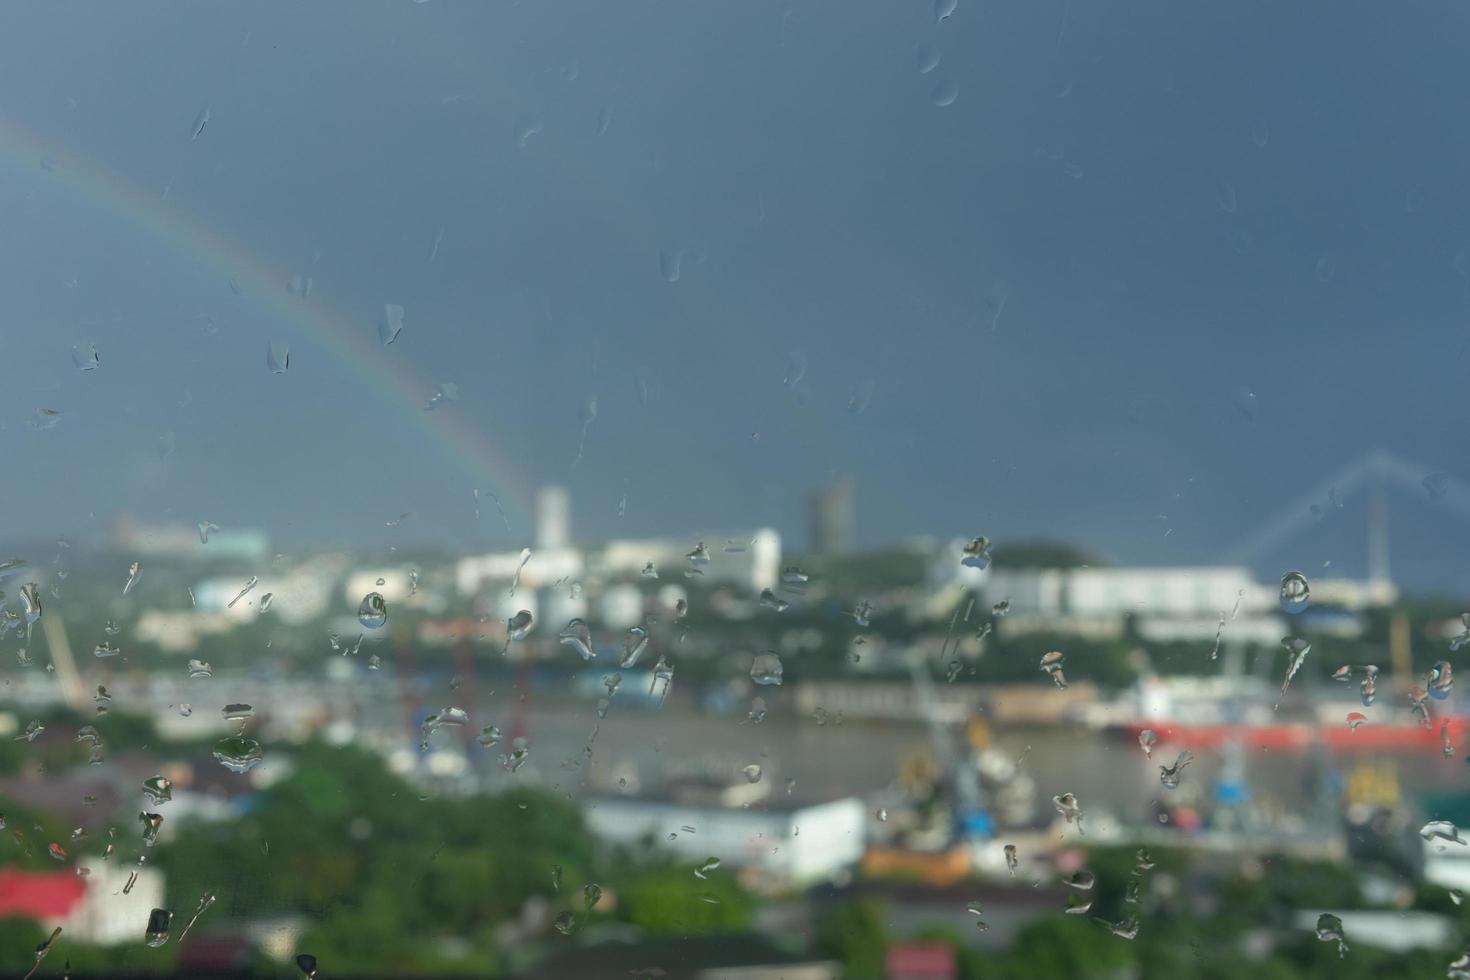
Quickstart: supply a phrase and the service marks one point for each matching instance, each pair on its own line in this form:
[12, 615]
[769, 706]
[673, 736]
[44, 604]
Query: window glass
[791, 488]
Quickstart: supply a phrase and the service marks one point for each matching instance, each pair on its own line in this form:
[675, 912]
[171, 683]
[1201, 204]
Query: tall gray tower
[833, 516]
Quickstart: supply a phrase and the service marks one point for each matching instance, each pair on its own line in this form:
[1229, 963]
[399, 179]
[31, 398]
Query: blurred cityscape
[718, 756]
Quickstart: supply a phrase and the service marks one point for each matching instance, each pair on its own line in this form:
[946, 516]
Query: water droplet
[578, 635]
[298, 285]
[976, 553]
[1441, 830]
[1355, 719]
[84, 357]
[278, 354]
[944, 9]
[33, 731]
[102, 699]
[1329, 929]
[792, 575]
[56, 851]
[204, 528]
[519, 625]
[710, 864]
[520, 752]
[862, 613]
[1463, 637]
[445, 394]
[1445, 746]
[238, 712]
[1296, 594]
[671, 262]
[1069, 808]
[1326, 267]
[105, 649]
[1081, 880]
[699, 556]
[1051, 663]
[1169, 775]
[1369, 685]
[135, 571]
[390, 323]
[882, 814]
[199, 669]
[238, 753]
[372, 612]
[526, 126]
[766, 669]
[489, 735]
[1441, 678]
[1146, 740]
[197, 129]
[1225, 197]
[151, 823]
[44, 947]
[1436, 485]
[1078, 905]
[591, 895]
[243, 592]
[159, 921]
[770, 600]
[1260, 133]
[926, 56]
[1297, 650]
[945, 92]
[752, 773]
[159, 789]
[633, 646]
[1419, 705]
[1011, 859]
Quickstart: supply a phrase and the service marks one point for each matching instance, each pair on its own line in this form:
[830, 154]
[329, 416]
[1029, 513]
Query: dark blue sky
[825, 204]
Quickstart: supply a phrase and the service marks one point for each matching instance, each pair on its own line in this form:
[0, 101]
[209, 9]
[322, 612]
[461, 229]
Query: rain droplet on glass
[945, 92]
[84, 357]
[766, 669]
[926, 56]
[278, 356]
[372, 612]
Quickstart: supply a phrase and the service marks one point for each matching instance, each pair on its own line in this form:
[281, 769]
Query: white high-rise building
[553, 518]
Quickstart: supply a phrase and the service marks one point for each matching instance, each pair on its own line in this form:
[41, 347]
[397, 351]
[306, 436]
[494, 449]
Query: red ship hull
[1295, 735]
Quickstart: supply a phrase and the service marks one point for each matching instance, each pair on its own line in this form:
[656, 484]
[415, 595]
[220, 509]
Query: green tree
[670, 901]
[857, 934]
[1066, 946]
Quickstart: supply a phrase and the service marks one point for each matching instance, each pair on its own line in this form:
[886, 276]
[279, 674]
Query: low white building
[751, 559]
[89, 908]
[785, 841]
[1201, 592]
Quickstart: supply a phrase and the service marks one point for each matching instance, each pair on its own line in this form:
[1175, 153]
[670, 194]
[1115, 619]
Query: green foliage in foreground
[391, 884]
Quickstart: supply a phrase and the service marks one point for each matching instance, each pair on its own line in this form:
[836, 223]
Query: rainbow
[350, 342]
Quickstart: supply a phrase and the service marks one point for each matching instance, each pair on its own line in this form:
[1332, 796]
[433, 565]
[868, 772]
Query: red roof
[930, 961]
[39, 895]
